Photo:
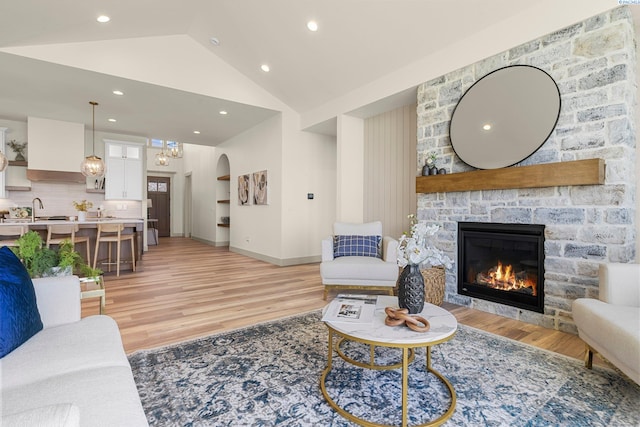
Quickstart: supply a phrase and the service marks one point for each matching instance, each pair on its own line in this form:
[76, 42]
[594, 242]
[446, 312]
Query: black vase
[411, 289]
[425, 169]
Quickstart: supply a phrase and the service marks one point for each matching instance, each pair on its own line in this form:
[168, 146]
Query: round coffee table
[443, 326]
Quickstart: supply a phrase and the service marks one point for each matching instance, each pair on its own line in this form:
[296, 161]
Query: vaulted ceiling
[357, 43]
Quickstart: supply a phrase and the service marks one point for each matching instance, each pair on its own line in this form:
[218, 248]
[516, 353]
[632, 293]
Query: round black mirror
[505, 117]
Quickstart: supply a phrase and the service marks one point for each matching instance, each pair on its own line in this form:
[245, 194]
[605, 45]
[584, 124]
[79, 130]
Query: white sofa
[359, 272]
[610, 325]
[73, 372]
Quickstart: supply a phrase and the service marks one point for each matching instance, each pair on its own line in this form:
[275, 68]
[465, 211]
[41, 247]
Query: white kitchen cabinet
[123, 178]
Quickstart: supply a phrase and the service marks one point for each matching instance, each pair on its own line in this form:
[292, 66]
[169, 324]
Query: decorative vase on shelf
[411, 289]
[20, 157]
[82, 216]
[425, 169]
[433, 170]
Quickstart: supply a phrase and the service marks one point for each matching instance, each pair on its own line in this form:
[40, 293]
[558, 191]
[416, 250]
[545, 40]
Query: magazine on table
[351, 308]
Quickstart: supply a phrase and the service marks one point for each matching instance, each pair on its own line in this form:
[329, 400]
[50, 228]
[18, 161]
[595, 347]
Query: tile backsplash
[57, 199]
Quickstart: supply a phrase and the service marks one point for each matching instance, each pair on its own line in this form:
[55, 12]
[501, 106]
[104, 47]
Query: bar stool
[112, 233]
[13, 232]
[57, 233]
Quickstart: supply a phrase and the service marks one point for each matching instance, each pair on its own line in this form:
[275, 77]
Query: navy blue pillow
[19, 315]
[356, 246]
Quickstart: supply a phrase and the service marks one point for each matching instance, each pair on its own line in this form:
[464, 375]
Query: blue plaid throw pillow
[356, 246]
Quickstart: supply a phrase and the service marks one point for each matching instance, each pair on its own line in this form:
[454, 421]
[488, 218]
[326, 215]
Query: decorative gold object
[400, 316]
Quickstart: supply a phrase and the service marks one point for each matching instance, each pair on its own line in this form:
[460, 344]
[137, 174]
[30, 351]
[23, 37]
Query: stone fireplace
[503, 263]
[594, 65]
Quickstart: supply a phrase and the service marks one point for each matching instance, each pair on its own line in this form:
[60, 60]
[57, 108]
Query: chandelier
[174, 149]
[161, 158]
[93, 166]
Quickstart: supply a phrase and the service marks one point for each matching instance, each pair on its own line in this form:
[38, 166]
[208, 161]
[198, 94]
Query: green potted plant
[42, 262]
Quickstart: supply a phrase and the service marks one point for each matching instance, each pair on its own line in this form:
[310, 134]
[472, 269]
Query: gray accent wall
[594, 64]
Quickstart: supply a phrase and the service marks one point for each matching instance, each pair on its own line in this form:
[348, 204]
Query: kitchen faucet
[33, 208]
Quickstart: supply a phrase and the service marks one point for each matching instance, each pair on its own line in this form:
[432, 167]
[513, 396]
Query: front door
[158, 190]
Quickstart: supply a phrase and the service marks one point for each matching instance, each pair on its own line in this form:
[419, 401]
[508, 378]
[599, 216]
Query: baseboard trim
[277, 261]
[210, 242]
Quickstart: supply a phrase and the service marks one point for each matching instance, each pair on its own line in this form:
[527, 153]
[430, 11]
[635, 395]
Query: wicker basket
[434, 279]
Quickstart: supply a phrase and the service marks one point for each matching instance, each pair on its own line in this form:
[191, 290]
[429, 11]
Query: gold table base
[407, 357]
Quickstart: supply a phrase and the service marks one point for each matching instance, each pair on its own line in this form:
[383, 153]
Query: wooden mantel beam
[578, 172]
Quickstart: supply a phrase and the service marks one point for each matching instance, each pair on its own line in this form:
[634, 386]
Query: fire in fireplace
[503, 263]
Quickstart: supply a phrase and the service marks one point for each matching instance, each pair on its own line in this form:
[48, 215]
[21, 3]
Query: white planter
[82, 216]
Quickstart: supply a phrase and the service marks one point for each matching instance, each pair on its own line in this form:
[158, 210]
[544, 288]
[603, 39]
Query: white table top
[443, 326]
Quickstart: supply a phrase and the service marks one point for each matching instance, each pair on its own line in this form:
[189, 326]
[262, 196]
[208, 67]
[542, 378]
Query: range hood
[56, 150]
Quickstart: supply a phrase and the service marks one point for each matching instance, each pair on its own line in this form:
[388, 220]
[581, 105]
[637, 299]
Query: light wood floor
[184, 289]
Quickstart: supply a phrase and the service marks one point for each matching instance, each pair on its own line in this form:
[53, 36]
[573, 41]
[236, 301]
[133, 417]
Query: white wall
[254, 229]
[287, 230]
[309, 166]
[199, 162]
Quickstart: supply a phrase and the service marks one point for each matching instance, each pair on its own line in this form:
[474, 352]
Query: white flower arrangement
[415, 249]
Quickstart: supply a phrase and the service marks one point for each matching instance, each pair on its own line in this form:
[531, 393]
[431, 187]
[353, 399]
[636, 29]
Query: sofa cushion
[358, 270]
[62, 415]
[351, 245]
[105, 397]
[19, 316]
[89, 344]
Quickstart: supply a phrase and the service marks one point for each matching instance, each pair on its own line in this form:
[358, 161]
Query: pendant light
[161, 158]
[93, 166]
[175, 149]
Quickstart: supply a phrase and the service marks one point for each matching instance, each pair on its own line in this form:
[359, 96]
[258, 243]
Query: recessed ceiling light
[197, 132]
[112, 120]
[214, 41]
[103, 18]
[265, 68]
[118, 92]
[486, 127]
[223, 112]
[312, 26]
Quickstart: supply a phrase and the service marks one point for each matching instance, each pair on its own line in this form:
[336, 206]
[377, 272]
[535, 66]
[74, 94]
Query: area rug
[268, 375]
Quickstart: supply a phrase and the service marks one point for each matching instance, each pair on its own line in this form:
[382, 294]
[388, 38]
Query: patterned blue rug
[268, 375]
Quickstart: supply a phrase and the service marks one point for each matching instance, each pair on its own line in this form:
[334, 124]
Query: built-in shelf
[224, 201]
[224, 178]
[17, 188]
[223, 225]
[93, 190]
[18, 163]
[578, 172]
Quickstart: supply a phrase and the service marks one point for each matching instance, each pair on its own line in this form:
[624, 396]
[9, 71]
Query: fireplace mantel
[577, 172]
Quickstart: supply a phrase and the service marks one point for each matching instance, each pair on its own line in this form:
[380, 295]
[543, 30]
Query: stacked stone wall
[594, 65]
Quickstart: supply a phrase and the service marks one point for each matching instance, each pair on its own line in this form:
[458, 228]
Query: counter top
[90, 221]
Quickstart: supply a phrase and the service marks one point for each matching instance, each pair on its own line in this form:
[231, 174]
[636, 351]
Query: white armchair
[378, 273]
[610, 325]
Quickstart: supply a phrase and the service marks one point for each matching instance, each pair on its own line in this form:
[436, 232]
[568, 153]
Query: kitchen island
[89, 228]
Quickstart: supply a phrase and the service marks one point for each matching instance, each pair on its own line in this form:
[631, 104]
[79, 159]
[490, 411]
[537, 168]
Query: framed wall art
[243, 190]
[259, 185]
